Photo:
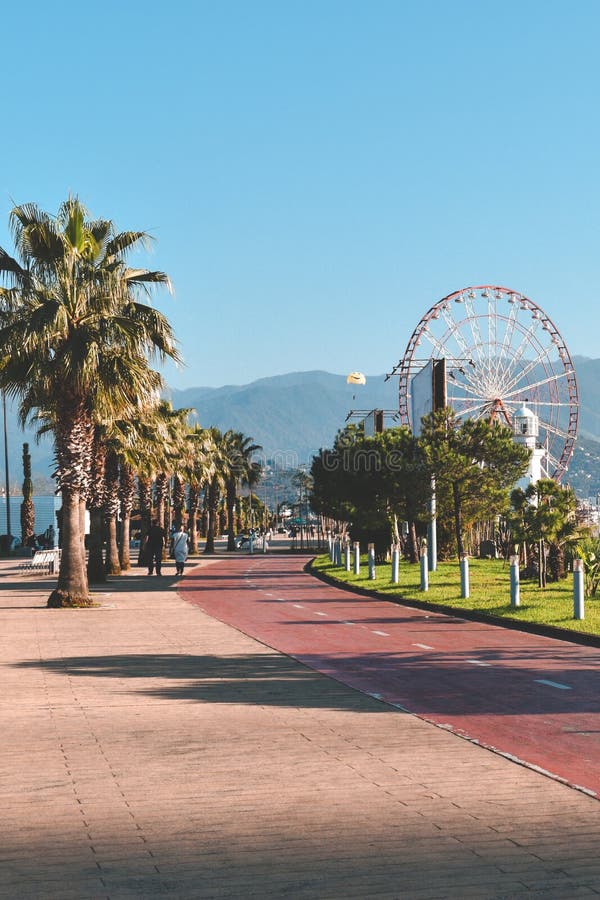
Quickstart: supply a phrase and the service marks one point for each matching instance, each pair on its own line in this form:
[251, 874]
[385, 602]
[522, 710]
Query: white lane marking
[347, 623]
[297, 605]
[321, 614]
[556, 684]
[423, 646]
[267, 594]
[382, 633]
[478, 662]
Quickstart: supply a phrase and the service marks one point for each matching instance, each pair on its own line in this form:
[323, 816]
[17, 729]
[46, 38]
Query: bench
[42, 561]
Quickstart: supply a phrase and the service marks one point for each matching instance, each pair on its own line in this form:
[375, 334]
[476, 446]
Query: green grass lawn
[489, 591]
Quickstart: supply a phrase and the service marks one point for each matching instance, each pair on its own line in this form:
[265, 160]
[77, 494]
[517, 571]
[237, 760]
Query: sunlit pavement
[534, 698]
[149, 749]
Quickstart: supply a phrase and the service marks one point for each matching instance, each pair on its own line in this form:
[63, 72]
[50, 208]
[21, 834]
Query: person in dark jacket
[154, 547]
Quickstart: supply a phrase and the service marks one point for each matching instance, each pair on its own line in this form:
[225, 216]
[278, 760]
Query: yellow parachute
[356, 378]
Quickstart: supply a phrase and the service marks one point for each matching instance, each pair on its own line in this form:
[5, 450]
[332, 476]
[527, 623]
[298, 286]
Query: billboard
[374, 423]
[427, 392]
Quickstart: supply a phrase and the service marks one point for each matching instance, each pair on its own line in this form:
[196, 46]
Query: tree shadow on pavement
[260, 679]
[433, 683]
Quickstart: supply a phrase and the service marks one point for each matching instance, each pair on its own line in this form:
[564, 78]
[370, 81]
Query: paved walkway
[148, 750]
[533, 698]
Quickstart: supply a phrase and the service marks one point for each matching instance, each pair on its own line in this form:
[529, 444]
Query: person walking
[154, 547]
[180, 549]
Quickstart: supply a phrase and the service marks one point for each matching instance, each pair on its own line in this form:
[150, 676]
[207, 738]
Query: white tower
[526, 430]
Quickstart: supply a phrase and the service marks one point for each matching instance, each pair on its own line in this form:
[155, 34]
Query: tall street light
[8, 540]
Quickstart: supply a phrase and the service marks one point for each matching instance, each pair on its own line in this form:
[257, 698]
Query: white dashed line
[478, 662]
[555, 684]
[297, 605]
[348, 623]
[382, 633]
[321, 614]
[423, 646]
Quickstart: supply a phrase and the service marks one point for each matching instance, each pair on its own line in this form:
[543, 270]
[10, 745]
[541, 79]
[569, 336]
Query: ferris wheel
[501, 351]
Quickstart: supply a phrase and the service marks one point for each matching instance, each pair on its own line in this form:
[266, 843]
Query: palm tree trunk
[230, 500]
[72, 587]
[112, 565]
[124, 551]
[126, 492]
[145, 501]
[178, 501]
[212, 506]
[161, 486]
[193, 520]
[95, 564]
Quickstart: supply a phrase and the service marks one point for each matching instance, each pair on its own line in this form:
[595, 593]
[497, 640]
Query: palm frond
[122, 243]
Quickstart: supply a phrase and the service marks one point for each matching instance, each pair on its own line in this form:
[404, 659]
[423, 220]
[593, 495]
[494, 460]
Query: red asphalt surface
[533, 698]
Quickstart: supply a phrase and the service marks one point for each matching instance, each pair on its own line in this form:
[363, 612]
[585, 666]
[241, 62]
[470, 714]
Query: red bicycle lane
[533, 698]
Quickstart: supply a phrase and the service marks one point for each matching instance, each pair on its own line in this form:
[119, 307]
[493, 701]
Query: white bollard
[395, 564]
[515, 589]
[424, 570]
[464, 577]
[356, 558]
[578, 589]
[347, 555]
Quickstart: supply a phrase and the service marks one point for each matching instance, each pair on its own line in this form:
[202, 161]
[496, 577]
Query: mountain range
[291, 416]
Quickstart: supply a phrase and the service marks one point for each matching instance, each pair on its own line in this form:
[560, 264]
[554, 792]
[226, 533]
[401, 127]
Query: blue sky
[318, 174]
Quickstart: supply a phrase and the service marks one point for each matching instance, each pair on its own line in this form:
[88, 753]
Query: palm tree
[95, 501]
[118, 446]
[174, 428]
[215, 486]
[198, 469]
[239, 470]
[111, 510]
[126, 495]
[77, 340]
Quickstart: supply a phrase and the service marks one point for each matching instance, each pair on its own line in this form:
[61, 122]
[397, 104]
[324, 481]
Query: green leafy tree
[542, 516]
[475, 463]
[372, 482]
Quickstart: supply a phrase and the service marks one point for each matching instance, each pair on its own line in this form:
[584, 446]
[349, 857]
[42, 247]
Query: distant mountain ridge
[295, 414]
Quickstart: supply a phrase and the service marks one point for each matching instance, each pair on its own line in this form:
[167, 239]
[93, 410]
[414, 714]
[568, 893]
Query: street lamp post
[8, 540]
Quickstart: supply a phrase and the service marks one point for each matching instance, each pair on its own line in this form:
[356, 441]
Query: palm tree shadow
[258, 679]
